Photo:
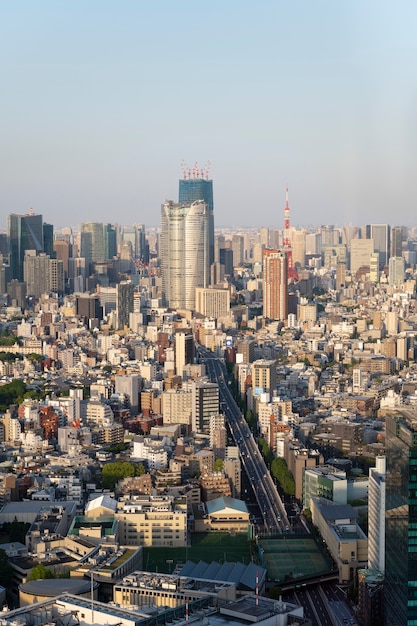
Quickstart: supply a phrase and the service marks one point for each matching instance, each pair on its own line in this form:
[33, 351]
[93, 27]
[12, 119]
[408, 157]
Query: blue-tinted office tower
[401, 520]
[193, 189]
[25, 233]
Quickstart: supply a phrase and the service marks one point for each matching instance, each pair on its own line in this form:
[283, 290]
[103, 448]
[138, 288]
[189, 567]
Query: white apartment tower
[376, 515]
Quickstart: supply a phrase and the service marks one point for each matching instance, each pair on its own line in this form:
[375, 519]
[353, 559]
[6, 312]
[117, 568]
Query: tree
[218, 465]
[113, 472]
[282, 474]
[40, 572]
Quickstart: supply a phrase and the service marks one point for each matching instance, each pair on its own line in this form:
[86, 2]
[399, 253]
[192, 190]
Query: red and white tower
[292, 272]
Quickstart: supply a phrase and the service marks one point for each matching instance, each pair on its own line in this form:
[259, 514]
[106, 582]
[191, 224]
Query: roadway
[273, 512]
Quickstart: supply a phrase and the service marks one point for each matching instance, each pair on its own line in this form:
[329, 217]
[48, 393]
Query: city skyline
[103, 103]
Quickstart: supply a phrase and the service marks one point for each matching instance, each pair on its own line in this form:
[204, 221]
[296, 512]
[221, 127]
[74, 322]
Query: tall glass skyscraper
[401, 521]
[25, 233]
[184, 252]
[193, 189]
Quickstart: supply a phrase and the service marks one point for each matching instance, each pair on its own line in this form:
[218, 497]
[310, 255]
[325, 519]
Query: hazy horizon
[102, 103]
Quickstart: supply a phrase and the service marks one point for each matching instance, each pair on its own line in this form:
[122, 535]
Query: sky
[101, 102]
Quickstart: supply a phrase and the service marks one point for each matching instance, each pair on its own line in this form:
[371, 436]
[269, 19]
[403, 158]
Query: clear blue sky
[101, 101]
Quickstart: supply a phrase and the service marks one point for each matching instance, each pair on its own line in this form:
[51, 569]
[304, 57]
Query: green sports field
[204, 547]
[292, 557]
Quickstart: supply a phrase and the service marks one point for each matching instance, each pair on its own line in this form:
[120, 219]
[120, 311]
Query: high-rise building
[36, 273]
[396, 241]
[56, 276]
[199, 188]
[374, 267]
[184, 349]
[380, 233]
[110, 242]
[401, 520]
[396, 271]
[92, 243]
[184, 252]
[237, 247]
[275, 285]
[25, 233]
[360, 253]
[124, 302]
[376, 515]
[205, 403]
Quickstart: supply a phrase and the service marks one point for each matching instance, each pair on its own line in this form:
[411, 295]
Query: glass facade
[25, 233]
[193, 189]
[184, 252]
[401, 521]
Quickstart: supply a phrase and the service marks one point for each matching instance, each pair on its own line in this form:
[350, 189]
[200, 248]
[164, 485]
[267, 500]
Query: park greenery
[113, 472]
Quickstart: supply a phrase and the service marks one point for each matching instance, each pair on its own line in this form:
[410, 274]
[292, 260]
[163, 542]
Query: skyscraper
[396, 241]
[401, 520]
[198, 188]
[275, 285]
[37, 273]
[124, 302]
[376, 515]
[184, 252]
[92, 243]
[25, 233]
[380, 233]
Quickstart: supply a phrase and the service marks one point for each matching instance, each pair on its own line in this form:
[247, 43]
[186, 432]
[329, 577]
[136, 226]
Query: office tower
[56, 276]
[376, 515]
[184, 252]
[126, 256]
[396, 271]
[76, 274]
[184, 349]
[25, 233]
[360, 253]
[396, 241]
[48, 240]
[193, 187]
[374, 267]
[313, 243]
[275, 285]
[226, 259]
[380, 234]
[220, 242]
[4, 244]
[36, 273]
[92, 243]
[401, 520]
[205, 403]
[62, 253]
[329, 235]
[237, 247]
[124, 303]
[110, 242]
